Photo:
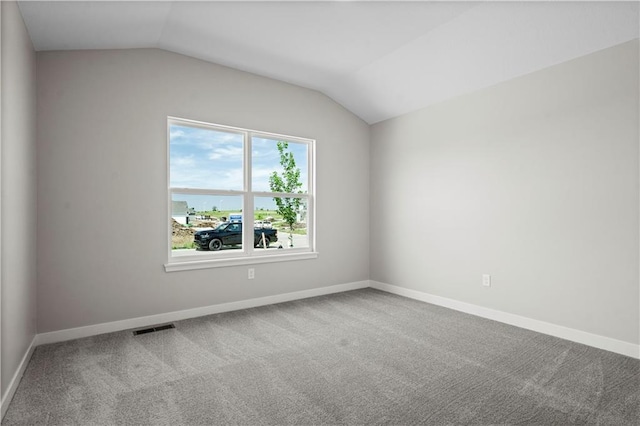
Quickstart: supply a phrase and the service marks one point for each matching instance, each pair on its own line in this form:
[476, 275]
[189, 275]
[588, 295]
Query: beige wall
[534, 181]
[18, 192]
[102, 150]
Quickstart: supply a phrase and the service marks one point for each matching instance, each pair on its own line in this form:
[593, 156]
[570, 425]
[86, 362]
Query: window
[238, 196]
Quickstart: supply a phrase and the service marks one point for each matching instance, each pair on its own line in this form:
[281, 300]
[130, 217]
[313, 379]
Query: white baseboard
[597, 341]
[93, 330]
[15, 381]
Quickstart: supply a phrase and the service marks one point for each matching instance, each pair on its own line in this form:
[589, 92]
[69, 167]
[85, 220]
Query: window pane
[195, 217]
[205, 159]
[266, 160]
[287, 216]
[264, 216]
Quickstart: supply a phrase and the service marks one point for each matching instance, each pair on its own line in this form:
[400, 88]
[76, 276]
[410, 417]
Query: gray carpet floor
[360, 357]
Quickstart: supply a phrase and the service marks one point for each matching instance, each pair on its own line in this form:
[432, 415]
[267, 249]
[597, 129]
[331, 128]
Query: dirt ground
[182, 236]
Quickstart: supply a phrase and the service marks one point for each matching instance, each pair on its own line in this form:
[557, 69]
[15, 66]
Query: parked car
[230, 234]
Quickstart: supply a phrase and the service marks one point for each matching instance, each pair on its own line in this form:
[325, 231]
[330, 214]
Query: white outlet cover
[486, 280]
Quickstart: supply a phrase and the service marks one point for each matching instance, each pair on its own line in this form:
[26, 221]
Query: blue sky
[205, 158]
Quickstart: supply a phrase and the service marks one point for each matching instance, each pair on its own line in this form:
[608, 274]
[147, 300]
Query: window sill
[236, 261]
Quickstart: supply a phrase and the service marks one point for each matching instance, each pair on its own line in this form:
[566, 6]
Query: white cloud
[176, 133]
[228, 152]
[188, 161]
[206, 178]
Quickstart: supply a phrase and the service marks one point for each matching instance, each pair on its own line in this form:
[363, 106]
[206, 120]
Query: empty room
[319, 212]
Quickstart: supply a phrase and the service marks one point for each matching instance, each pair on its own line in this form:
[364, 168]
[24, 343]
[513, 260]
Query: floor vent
[152, 329]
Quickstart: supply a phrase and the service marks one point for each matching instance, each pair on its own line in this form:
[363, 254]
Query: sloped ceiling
[378, 59]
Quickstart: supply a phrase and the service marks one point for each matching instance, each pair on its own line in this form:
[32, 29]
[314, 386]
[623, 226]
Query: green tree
[288, 182]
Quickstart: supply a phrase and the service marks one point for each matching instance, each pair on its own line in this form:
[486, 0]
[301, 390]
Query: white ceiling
[378, 59]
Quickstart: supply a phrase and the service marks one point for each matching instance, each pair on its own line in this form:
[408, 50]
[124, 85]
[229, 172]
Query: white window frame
[180, 260]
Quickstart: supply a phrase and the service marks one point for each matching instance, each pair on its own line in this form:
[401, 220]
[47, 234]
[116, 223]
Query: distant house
[301, 215]
[180, 212]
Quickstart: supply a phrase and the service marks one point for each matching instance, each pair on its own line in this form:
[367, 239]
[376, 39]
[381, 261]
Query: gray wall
[18, 191]
[102, 148]
[534, 181]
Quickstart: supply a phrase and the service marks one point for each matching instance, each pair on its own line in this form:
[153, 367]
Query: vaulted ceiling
[379, 59]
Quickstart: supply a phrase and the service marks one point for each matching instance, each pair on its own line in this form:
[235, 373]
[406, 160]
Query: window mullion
[281, 194]
[248, 208]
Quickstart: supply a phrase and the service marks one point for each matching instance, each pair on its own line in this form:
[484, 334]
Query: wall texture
[534, 181]
[18, 192]
[102, 149]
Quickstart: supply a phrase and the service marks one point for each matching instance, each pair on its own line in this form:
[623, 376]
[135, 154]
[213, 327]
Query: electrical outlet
[252, 274]
[486, 280]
